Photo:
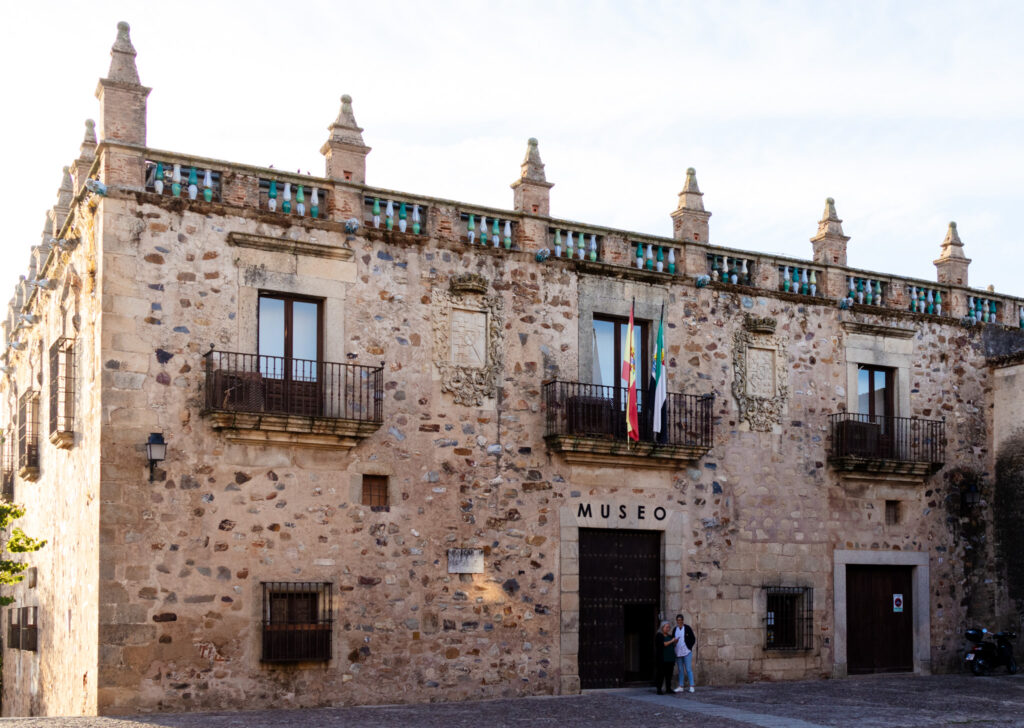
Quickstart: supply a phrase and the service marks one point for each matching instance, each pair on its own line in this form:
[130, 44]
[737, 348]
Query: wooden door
[879, 619]
[620, 590]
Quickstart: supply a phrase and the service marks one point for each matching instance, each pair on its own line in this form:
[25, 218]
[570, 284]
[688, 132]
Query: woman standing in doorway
[684, 641]
[664, 655]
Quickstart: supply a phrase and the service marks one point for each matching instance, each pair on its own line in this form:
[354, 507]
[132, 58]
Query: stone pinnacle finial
[952, 246]
[691, 197]
[952, 264]
[67, 189]
[47, 226]
[88, 149]
[691, 182]
[830, 241]
[122, 58]
[344, 129]
[830, 211]
[830, 224]
[533, 168]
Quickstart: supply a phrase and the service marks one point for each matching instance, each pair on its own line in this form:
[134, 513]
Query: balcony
[258, 399]
[587, 424]
[879, 444]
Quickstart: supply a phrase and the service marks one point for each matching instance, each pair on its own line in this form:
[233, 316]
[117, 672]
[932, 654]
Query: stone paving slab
[941, 701]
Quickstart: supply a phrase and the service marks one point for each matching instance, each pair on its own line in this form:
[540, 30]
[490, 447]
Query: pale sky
[909, 114]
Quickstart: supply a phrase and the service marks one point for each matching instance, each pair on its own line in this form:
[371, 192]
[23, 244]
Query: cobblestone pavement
[939, 701]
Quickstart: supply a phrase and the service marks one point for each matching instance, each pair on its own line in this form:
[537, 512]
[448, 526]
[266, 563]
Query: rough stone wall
[183, 557]
[62, 506]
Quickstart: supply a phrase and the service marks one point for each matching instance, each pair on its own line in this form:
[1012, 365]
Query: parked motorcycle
[986, 654]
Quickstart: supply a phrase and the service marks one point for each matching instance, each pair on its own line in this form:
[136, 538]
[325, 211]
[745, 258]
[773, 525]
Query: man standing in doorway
[685, 639]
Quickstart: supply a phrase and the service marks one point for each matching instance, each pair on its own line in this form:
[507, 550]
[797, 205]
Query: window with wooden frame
[28, 435]
[22, 632]
[876, 392]
[290, 344]
[788, 618]
[375, 491]
[62, 392]
[297, 621]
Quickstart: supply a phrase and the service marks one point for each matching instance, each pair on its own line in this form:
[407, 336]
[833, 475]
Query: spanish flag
[629, 375]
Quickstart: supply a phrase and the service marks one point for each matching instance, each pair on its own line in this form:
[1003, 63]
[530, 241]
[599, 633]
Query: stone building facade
[396, 459]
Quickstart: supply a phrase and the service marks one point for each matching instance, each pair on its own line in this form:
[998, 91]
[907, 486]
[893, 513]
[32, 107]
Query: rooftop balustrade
[175, 179]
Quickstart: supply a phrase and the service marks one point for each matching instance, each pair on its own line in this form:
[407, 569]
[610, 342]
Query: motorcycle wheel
[978, 668]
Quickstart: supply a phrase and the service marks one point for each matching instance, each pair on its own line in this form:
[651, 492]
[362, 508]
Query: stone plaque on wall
[465, 561]
[467, 325]
[469, 338]
[760, 386]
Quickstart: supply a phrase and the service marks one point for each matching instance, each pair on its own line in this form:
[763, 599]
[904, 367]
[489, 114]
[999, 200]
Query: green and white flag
[658, 372]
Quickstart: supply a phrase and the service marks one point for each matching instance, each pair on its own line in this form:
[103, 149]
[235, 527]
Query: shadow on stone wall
[1008, 510]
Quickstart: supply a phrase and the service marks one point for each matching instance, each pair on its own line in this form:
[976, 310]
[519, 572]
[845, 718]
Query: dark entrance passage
[620, 589]
[879, 619]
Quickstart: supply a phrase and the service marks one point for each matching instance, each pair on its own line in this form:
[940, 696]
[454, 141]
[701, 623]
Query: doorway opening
[620, 594]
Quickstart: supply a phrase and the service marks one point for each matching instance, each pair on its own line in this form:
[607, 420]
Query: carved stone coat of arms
[467, 324]
[760, 387]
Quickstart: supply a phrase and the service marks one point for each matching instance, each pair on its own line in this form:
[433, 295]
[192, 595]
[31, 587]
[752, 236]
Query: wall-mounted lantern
[156, 451]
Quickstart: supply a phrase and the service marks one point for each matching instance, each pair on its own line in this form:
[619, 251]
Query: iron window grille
[28, 434]
[8, 466]
[297, 621]
[62, 387]
[789, 618]
[22, 632]
[893, 514]
[375, 491]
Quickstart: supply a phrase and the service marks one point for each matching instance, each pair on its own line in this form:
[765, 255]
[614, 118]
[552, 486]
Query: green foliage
[18, 543]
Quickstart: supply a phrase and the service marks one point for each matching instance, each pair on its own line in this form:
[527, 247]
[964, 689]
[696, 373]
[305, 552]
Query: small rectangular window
[375, 490]
[297, 621]
[788, 618]
[892, 512]
[21, 628]
[28, 628]
[13, 628]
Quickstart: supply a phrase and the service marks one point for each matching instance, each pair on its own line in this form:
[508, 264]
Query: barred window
[28, 435]
[62, 391]
[7, 455]
[375, 491]
[893, 514]
[297, 621]
[21, 628]
[789, 618]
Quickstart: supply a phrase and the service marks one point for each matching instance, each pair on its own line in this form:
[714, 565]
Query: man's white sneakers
[691, 688]
[680, 689]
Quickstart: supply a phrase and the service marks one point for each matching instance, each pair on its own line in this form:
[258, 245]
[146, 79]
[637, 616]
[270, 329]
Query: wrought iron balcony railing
[274, 385]
[878, 442]
[575, 409]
